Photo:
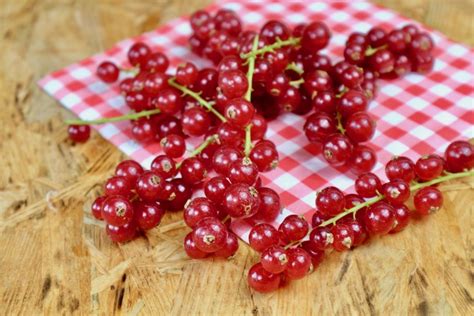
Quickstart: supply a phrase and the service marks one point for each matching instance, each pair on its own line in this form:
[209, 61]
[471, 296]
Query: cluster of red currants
[341, 92]
[342, 222]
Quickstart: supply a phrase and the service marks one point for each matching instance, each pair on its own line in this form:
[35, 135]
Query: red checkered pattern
[416, 115]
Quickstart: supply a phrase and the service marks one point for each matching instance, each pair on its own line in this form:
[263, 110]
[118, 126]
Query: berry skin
[186, 74]
[230, 247]
[241, 200]
[317, 256]
[293, 228]
[352, 77]
[215, 188]
[79, 133]
[96, 207]
[243, 171]
[351, 102]
[367, 185]
[150, 186]
[358, 230]
[274, 259]
[317, 81]
[164, 166]
[230, 135]
[197, 209]
[363, 159]
[209, 234]
[263, 236]
[190, 247]
[319, 126]
[223, 158]
[400, 168]
[459, 156]
[148, 215]
[261, 280]
[376, 37]
[343, 237]
[117, 211]
[273, 30]
[402, 218]
[396, 192]
[321, 238]
[118, 185]
[233, 83]
[156, 62]
[143, 130]
[129, 169]
[168, 100]
[239, 112]
[360, 127]
[270, 205]
[173, 145]
[429, 167]
[428, 200]
[397, 41]
[121, 234]
[108, 72]
[315, 37]
[138, 54]
[259, 127]
[337, 149]
[193, 170]
[265, 156]
[318, 218]
[195, 121]
[299, 263]
[180, 194]
[330, 201]
[379, 218]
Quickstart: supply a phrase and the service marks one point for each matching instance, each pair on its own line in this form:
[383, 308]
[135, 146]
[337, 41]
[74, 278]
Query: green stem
[293, 66]
[251, 70]
[197, 97]
[339, 126]
[296, 83]
[370, 51]
[200, 148]
[292, 41]
[248, 140]
[129, 116]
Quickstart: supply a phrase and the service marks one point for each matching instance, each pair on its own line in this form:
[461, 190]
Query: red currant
[117, 211]
[428, 200]
[262, 236]
[209, 234]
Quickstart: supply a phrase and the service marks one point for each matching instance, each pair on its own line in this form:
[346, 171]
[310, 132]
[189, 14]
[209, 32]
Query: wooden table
[55, 259]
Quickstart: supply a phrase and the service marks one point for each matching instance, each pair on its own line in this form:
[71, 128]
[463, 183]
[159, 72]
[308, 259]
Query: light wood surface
[55, 259]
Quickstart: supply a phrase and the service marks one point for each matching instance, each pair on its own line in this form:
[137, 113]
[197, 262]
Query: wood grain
[55, 258]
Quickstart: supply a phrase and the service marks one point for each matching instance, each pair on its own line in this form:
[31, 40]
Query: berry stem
[293, 66]
[248, 140]
[128, 116]
[339, 126]
[370, 51]
[292, 41]
[251, 70]
[197, 97]
[200, 148]
[296, 83]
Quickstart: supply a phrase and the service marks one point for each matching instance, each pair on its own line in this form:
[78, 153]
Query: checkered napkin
[415, 115]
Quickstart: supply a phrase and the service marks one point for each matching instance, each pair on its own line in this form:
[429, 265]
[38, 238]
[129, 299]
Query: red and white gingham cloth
[416, 115]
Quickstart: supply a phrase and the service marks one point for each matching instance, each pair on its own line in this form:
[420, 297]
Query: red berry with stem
[421, 43]
[293, 228]
[262, 236]
[352, 77]
[379, 218]
[190, 248]
[397, 41]
[230, 247]
[121, 234]
[215, 188]
[330, 201]
[343, 237]
[243, 171]
[148, 215]
[96, 207]
[223, 158]
[239, 112]
[318, 218]
[265, 156]
[367, 185]
[168, 101]
[210, 234]
[108, 72]
[197, 209]
[410, 30]
[400, 168]
[321, 238]
[315, 37]
[402, 65]
[273, 30]
[180, 195]
[377, 37]
[363, 159]
[396, 191]
[317, 81]
[233, 83]
[186, 74]
[314, 61]
[261, 280]
[117, 211]
[358, 231]
[429, 167]
[319, 126]
[277, 84]
[351, 200]
[324, 102]
[357, 38]
[173, 145]
[382, 61]
[355, 54]
[79, 133]
[270, 205]
[459, 156]
[299, 263]
[138, 54]
[230, 134]
[164, 166]
[402, 218]
[195, 121]
[241, 200]
[274, 259]
[118, 185]
[351, 102]
[193, 170]
[129, 169]
[337, 149]
[156, 62]
[360, 127]
[428, 200]
[422, 63]
[150, 186]
[137, 100]
[143, 130]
